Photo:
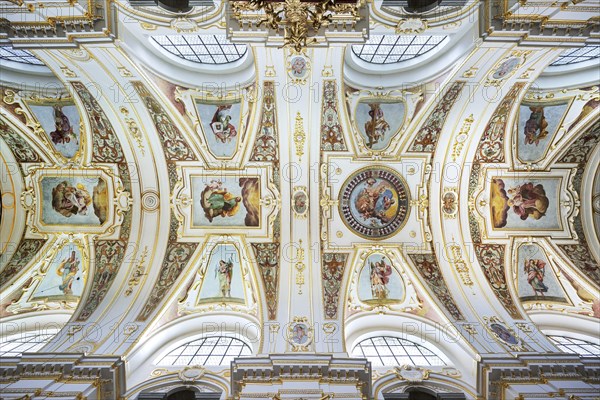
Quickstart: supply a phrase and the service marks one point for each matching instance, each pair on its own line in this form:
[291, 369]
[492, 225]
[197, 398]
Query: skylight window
[387, 351]
[202, 49]
[20, 56]
[576, 346]
[16, 345]
[574, 56]
[390, 49]
[213, 350]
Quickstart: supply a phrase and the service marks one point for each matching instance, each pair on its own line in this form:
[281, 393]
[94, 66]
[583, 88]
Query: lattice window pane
[390, 351]
[389, 49]
[576, 346]
[16, 345]
[202, 49]
[215, 350]
[577, 55]
[20, 56]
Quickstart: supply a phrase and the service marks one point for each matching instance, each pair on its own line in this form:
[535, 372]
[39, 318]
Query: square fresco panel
[74, 201]
[378, 122]
[221, 124]
[64, 276]
[225, 201]
[61, 124]
[536, 278]
[538, 123]
[525, 203]
[223, 277]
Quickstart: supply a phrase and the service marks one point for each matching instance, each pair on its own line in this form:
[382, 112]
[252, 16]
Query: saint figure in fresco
[535, 127]
[380, 276]
[374, 200]
[528, 200]
[224, 272]
[63, 131]
[67, 269]
[71, 200]
[377, 126]
[217, 201]
[535, 270]
[300, 334]
[221, 126]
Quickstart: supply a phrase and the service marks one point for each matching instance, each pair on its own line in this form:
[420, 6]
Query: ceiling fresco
[282, 195]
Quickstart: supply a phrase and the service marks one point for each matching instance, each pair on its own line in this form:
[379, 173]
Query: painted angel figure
[535, 270]
[67, 270]
[380, 277]
[374, 200]
[224, 272]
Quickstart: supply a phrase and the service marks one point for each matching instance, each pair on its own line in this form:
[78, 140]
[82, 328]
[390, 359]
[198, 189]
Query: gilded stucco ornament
[192, 373]
[507, 67]
[411, 26]
[412, 374]
[300, 334]
[184, 25]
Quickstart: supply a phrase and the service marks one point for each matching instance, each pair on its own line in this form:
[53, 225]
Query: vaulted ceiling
[435, 180]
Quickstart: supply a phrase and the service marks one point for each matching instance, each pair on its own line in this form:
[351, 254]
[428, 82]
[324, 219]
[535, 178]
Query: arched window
[202, 49]
[212, 350]
[576, 346]
[577, 55]
[389, 49]
[16, 345]
[387, 351]
[20, 56]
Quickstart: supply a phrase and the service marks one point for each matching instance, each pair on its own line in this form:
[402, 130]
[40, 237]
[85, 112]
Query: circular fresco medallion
[374, 202]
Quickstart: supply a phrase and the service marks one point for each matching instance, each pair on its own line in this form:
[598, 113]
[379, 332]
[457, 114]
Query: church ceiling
[297, 200]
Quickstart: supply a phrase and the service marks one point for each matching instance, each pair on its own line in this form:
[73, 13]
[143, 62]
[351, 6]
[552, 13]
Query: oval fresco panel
[374, 202]
[379, 121]
[506, 67]
[379, 282]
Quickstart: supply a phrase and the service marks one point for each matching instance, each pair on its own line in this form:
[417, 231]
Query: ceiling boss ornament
[297, 23]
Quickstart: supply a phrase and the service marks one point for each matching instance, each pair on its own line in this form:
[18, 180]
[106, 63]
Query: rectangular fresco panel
[538, 123]
[74, 200]
[60, 122]
[525, 203]
[64, 276]
[221, 123]
[536, 278]
[228, 201]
